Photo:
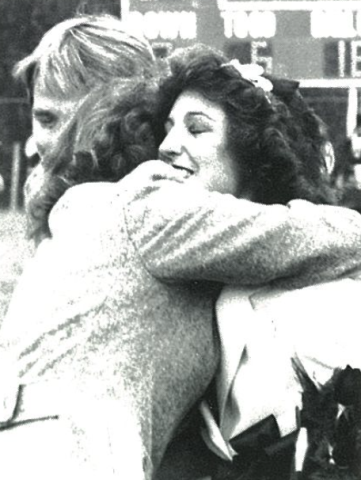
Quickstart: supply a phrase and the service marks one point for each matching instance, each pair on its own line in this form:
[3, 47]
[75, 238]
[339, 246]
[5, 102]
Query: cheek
[37, 132]
[227, 182]
[225, 173]
[216, 177]
[45, 139]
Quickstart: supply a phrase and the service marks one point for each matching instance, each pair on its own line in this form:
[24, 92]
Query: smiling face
[196, 142]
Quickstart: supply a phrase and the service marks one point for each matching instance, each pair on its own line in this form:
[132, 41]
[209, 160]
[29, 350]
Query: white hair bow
[252, 73]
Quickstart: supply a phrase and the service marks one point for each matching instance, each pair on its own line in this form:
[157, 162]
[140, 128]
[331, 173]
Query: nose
[171, 146]
[39, 139]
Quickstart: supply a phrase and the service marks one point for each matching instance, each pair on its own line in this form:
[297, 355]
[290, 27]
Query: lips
[181, 167]
[176, 163]
[187, 172]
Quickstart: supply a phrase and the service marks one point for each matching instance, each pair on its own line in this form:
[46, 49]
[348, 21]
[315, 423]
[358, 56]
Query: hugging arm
[186, 233]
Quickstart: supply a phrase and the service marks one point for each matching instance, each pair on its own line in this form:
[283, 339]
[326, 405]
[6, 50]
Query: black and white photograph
[180, 239]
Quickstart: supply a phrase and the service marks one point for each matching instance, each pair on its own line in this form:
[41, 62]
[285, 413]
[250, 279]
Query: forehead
[194, 103]
[44, 100]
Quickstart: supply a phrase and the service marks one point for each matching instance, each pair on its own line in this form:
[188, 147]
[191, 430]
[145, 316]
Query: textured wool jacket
[121, 296]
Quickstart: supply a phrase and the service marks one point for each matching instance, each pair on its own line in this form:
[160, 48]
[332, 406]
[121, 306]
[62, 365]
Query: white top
[261, 330]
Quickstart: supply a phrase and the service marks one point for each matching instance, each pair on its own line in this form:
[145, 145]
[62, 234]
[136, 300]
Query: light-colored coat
[261, 331]
[118, 304]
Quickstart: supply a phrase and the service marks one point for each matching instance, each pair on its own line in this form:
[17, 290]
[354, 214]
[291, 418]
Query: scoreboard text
[305, 39]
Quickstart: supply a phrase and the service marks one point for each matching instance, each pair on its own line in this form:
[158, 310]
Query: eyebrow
[38, 112]
[196, 113]
[192, 114]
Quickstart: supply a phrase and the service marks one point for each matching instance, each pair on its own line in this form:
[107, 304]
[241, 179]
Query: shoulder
[83, 204]
[89, 202]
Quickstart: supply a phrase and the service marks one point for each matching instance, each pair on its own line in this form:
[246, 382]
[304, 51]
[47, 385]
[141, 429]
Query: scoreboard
[314, 41]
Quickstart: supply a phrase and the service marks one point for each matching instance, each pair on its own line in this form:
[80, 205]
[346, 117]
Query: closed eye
[197, 130]
[197, 125]
[45, 118]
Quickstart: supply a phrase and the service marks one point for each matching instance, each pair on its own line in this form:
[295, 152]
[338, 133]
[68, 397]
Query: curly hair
[277, 139]
[113, 131]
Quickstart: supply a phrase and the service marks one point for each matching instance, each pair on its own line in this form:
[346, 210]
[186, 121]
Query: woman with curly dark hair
[109, 339]
[274, 137]
[272, 149]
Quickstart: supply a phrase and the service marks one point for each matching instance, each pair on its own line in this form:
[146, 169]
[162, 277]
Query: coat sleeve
[183, 232]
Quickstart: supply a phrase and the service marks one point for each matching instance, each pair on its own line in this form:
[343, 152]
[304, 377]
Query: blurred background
[316, 42]
[22, 24]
